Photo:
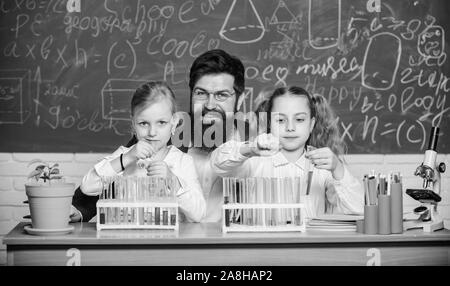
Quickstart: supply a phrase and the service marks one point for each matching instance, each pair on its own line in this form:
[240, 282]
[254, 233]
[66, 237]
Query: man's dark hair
[216, 62]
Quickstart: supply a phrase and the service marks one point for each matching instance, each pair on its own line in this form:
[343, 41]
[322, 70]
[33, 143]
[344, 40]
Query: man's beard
[206, 126]
[210, 126]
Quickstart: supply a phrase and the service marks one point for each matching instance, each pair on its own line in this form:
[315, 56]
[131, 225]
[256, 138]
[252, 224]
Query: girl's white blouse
[341, 196]
[189, 196]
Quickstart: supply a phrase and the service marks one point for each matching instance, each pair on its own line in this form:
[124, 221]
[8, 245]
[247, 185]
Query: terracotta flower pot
[50, 205]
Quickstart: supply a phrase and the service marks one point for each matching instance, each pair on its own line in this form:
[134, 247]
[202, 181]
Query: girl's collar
[279, 159]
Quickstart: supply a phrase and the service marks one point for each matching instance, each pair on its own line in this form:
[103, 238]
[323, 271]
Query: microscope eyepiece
[432, 143]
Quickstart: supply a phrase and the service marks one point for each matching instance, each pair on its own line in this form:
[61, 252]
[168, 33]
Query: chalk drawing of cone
[282, 15]
[324, 23]
[381, 61]
[242, 25]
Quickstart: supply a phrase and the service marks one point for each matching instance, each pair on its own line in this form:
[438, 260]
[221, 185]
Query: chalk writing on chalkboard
[68, 68]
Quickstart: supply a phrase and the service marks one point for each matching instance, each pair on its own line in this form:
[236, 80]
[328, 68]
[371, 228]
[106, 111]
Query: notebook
[334, 222]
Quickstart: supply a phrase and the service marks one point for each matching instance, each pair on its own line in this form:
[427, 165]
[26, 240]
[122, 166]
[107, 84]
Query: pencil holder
[384, 214]
[396, 208]
[371, 219]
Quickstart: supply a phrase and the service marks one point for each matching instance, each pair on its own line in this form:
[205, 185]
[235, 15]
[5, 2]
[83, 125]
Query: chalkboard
[68, 68]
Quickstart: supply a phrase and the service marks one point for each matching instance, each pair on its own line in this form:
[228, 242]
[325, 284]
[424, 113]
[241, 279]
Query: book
[334, 222]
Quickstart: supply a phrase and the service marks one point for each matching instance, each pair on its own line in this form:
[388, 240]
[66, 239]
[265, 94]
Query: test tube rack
[137, 203]
[263, 205]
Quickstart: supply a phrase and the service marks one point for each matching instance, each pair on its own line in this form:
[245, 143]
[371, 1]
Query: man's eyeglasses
[201, 94]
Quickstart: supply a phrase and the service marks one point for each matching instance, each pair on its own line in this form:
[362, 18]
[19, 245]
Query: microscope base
[428, 226]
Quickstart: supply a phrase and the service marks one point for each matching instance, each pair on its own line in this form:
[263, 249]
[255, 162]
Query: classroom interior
[66, 80]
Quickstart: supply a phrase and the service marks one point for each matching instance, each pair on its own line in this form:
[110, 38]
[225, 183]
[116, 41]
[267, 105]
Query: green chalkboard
[67, 75]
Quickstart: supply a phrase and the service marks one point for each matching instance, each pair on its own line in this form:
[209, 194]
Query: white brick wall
[14, 169]
[13, 175]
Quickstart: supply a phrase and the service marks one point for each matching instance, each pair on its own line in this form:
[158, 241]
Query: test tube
[116, 215]
[299, 217]
[259, 191]
[157, 216]
[150, 217]
[173, 216]
[107, 215]
[165, 217]
[287, 212]
[125, 215]
[102, 216]
[227, 212]
[133, 215]
[141, 216]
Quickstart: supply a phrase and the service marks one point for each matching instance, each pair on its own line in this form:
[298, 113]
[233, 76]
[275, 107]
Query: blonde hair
[151, 92]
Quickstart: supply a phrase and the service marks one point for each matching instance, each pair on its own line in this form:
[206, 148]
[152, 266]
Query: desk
[205, 244]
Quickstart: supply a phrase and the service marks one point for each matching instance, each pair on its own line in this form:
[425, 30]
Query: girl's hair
[151, 92]
[325, 132]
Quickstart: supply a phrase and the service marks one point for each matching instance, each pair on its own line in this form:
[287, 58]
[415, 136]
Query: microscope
[428, 217]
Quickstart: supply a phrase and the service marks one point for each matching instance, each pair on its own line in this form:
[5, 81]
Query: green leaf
[40, 167]
[55, 165]
[35, 173]
[54, 171]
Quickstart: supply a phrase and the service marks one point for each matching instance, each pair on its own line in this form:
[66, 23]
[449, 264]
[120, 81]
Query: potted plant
[49, 199]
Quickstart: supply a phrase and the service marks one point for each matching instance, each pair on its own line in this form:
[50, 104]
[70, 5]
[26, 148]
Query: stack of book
[334, 222]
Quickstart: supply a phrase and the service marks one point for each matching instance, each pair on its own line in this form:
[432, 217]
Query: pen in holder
[370, 207]
[384, 208]
[396, 207]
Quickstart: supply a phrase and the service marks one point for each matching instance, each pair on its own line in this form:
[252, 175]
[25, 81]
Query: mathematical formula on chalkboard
[68, 69]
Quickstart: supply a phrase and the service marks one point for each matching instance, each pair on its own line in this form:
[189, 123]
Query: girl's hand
[141, 150]
[265, 145]
[324, 158]
[161, 169]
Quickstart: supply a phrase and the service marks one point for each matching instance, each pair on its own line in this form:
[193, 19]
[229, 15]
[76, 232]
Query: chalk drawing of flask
[324, 23]
[242, 25]
[381, 61]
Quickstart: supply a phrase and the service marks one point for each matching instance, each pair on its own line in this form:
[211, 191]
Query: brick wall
[13, 172]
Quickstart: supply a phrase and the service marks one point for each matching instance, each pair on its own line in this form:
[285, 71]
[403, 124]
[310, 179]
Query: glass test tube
[173, 217]
[141, 216]
[165, 217]
[157, 215]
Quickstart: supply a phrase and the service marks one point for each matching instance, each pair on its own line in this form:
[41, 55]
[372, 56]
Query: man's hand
[75, 215]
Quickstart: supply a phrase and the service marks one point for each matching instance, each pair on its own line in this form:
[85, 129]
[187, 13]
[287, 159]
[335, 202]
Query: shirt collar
[279, 160]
